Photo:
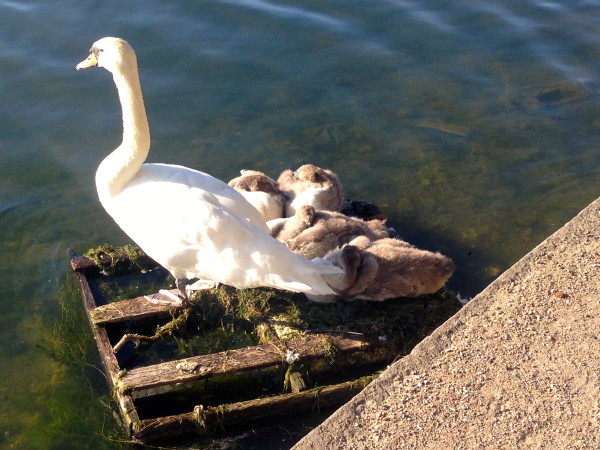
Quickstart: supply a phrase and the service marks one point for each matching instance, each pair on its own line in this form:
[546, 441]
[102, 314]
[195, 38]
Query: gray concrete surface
[518, 367]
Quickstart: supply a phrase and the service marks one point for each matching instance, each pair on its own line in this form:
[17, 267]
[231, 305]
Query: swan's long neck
[125, 161]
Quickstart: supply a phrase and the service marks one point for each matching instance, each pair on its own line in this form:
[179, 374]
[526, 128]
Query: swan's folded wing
[193, 233]
[205, 183]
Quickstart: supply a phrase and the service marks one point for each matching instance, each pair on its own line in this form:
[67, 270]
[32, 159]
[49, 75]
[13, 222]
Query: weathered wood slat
[297, 383]
[223, 363]
[117, 262]
[204, 420]
[82, 263]
[135, 308]
[111, 365]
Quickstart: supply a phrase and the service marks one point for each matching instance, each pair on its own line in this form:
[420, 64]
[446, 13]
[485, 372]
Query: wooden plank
[115, 261]
[250, 358]
[82, 263]
[204, 420]
[131, 309]
[111, 365]
[108, 357]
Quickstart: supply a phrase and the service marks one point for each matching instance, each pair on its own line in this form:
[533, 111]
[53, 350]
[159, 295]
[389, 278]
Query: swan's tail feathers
[325, 267]
[321, 273]
[316, 285]
[332, 275]
[293, 286]
[304, 276]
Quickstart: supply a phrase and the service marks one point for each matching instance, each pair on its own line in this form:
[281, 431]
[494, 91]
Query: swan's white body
[193, 224]
[269, 207]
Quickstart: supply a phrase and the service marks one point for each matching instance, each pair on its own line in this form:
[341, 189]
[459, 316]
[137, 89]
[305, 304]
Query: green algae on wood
[226, 318]
[110, 259]
[209, 419]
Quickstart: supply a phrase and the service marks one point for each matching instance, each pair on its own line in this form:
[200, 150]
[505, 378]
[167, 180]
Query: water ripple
[17, 6]
[426, 16]
[518, 22]
[11, 204]
[291, 12]
[554, 6]
[538, 30]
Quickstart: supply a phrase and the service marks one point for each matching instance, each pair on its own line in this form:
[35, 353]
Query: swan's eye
[96, 51]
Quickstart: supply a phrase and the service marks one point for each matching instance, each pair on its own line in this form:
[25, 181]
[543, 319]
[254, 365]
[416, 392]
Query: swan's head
[111, 53]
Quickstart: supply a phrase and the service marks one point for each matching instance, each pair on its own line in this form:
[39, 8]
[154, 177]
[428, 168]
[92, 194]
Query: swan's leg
[180, 284]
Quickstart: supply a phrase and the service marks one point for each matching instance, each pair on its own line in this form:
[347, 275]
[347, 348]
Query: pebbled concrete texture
[518, 367]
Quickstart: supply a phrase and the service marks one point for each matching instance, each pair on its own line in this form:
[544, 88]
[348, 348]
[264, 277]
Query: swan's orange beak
[90, 61]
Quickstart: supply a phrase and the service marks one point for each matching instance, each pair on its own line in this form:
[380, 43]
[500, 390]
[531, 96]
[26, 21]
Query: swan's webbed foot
[167, 297]
[179, 297]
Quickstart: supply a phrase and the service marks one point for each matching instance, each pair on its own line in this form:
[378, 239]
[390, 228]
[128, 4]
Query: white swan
[193, 224]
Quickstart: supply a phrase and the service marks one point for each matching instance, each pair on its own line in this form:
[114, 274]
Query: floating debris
[448, 128]
[536, 97]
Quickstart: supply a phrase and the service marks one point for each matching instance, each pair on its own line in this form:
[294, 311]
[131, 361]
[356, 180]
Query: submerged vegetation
[70, 346]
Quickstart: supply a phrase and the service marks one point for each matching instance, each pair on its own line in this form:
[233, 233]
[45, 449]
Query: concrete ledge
[518, 367]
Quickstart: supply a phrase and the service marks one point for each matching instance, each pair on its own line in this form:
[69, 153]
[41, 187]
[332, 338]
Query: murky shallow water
[474, 126]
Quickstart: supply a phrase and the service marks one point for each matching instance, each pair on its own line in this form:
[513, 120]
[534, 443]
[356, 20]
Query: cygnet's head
[111, 53]
[310, 172]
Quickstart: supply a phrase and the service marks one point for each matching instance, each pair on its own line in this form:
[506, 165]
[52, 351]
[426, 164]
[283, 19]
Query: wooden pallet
[135, 387]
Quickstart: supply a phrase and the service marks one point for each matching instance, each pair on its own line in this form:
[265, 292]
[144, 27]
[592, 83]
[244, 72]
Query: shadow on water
[468, 279]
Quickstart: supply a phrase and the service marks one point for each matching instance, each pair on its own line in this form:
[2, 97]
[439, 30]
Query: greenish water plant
[78, 374]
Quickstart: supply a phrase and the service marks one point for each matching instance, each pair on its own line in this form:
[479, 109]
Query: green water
[474, 126]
